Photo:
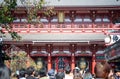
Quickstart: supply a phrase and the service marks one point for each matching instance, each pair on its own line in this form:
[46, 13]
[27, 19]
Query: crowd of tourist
[66, 73]
[63, 72]
[31, 73]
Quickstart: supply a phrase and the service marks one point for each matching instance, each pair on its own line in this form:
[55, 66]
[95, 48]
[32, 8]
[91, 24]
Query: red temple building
[77, 30]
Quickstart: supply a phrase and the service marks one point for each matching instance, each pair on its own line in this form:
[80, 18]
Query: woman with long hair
[76, 74]
[60, 74]
[68, 74]
[4, 72]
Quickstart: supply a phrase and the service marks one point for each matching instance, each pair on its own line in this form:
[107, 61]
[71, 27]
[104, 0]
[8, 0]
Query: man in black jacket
[30, 72]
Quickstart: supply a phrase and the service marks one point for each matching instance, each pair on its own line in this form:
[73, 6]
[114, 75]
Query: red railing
[66, 28]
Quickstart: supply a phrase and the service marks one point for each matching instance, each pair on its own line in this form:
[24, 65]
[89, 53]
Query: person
[51, 74]
[110, 75]
[22, 74]
[4, 72]
[87, 75]
[93, 76]
[42, 74]
[68, 74]
[76, 73]
[117, 73]
[84, 71]
[30, 72]
[36, 75]
[60, 74]
[14, 76]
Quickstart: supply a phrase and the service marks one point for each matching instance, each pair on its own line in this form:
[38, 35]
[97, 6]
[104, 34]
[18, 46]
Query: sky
[84, 2]
[78, 2]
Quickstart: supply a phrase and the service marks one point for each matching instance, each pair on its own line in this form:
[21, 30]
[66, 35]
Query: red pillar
[73, 61]
[49, 47]
[93, 64]
[73, 49]
[93, 49]
[49, 62]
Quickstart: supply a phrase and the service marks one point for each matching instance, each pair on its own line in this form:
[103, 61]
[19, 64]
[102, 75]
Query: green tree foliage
[6, 17]
[38, 5]
[7, 14]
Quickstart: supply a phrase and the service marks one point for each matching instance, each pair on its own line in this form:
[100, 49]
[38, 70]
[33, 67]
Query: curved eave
[113, 46]
[57, 38]
[114, 59]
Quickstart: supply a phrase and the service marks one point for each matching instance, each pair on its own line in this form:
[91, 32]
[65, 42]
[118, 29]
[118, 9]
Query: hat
[77, 68]
[51, 72]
